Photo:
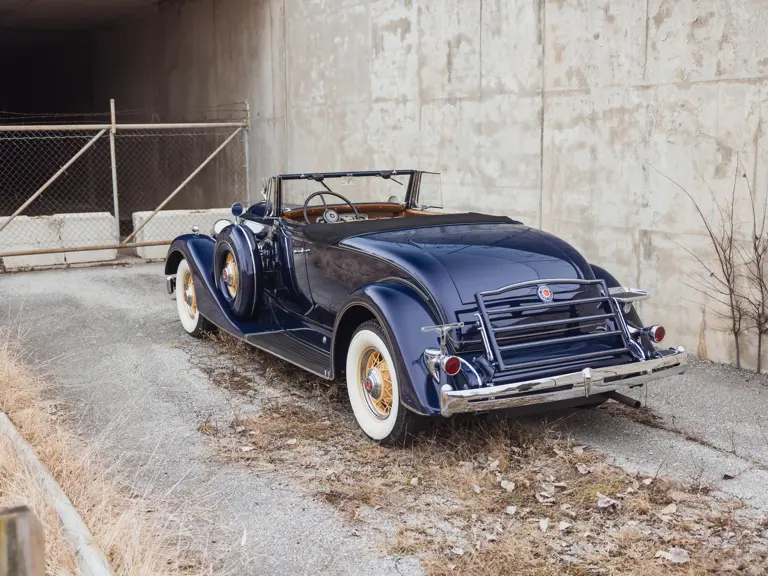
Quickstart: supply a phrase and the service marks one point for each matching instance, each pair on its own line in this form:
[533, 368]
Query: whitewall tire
[186, 303]
[373, 386]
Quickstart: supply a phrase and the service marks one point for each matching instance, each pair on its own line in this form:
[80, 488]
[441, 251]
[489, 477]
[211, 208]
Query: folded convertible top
[334, 233]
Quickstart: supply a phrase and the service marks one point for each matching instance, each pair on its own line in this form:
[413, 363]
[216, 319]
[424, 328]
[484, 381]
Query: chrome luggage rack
[495, 308]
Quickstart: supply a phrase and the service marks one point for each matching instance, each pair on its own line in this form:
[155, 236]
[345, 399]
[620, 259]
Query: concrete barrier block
[87, 229]
[168, 224]
[30, 233]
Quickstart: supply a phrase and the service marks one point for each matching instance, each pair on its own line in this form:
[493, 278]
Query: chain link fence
[77, 193]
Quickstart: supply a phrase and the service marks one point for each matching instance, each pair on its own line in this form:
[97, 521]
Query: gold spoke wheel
[376, 383]
[190, 298]
[231, 276]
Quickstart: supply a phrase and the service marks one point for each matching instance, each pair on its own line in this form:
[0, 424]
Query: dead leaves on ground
[500, 498]
[483, 490]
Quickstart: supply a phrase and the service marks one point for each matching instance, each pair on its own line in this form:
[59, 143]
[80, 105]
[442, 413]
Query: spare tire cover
[240, 243]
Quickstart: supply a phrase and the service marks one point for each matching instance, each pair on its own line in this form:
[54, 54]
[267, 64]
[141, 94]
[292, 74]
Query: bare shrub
[722, 281]
[737, 281]
[754, 257]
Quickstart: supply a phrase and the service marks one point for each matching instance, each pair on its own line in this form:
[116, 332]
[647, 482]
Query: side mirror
[237, 209]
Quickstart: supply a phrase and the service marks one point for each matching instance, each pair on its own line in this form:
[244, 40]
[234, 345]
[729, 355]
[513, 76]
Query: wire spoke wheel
[186, 303]
[190, 298]
[373, 387]
[375, 382]
[230, 275]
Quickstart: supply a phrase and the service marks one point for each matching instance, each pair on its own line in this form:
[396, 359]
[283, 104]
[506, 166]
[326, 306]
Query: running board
[288, 348]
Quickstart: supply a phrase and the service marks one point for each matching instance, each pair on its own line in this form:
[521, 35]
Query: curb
[90, 559]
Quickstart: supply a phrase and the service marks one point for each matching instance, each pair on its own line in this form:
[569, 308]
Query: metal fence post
[112, 131]
[22, 546]
[247, 153]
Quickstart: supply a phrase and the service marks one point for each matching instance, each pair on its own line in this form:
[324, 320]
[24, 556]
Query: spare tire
[238, 271]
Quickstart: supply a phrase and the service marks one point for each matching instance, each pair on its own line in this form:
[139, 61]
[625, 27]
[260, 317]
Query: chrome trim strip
[503, 289]
[627, 295]
[586, 383]
[548, 323]
[565, 339]
[546, 305]
[484, 336]
[326, 376]
[467, 367]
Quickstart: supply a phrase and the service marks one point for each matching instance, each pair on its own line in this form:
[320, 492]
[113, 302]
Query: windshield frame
[320, 177]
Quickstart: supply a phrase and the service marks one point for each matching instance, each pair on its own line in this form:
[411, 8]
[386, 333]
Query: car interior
[366, 210]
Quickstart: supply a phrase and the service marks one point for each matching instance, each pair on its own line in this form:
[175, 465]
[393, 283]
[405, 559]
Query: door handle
[300, 250]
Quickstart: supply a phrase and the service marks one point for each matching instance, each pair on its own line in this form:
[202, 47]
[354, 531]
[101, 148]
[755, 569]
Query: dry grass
[445, 498]
[135, 534]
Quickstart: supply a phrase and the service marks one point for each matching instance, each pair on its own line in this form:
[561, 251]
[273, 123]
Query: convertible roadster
[422, 313]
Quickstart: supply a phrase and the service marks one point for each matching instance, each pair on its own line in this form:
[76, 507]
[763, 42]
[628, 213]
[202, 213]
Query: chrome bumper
[588, 382]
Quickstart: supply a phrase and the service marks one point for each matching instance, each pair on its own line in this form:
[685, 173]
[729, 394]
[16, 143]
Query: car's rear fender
[402, 312]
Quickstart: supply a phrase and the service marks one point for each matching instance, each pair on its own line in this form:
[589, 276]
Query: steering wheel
[330, 216]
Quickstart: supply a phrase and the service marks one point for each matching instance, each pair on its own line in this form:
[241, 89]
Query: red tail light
[657, 333]
[451, 365]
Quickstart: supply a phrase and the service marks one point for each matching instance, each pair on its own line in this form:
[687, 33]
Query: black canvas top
[334, 233]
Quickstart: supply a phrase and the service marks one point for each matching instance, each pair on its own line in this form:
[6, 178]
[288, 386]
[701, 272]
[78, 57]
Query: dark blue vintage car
[423, 313]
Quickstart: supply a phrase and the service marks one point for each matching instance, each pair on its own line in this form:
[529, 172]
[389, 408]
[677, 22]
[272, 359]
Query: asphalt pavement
[110, 341]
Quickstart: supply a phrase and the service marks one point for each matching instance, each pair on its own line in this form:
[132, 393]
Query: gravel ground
[111, 340]
[709, 427]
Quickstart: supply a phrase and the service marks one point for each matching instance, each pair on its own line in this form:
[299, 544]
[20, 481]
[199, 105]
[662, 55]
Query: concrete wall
[565, 114]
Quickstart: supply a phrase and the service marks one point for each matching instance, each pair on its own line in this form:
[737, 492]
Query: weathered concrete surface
[54, 232]
[87, 229]
[712, 431]
[565, 114]
[110, 340]
[30, 233]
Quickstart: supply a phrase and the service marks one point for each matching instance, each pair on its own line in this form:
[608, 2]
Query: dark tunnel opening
[48, 79]
[45, 73]
[64, 74]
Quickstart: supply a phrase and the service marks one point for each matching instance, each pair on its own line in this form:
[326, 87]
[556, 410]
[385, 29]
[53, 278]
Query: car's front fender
[197, 250]
[402, 312]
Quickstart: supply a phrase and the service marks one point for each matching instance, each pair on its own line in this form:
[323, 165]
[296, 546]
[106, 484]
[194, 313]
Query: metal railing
[70, 188]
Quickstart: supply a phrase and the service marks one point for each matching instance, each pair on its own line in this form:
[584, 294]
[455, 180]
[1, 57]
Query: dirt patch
[482, 496]
[642, 415]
